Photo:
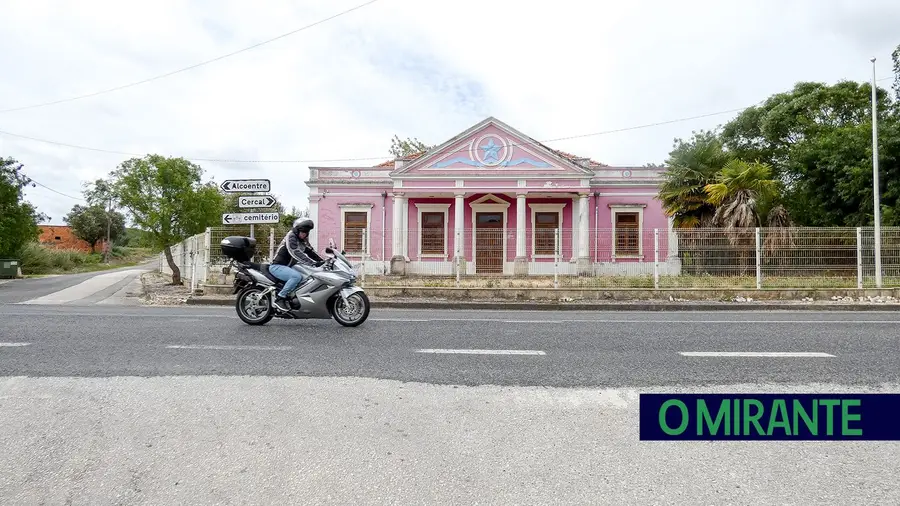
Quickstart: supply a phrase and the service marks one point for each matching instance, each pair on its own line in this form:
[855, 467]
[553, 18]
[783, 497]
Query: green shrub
[38, 259]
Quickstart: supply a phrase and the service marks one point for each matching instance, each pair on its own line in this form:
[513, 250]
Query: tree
[18, 218]
[737, 191]
[167, 198]
[895, 56]
[287, 219]
[693, 164]
[818, 140]
[101, 194]
[92, 223]
[410, 146]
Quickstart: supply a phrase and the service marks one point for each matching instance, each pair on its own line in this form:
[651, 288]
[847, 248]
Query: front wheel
[354, 312]
[254, 308]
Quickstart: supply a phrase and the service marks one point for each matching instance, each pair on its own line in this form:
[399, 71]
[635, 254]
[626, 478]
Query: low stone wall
[619, 294]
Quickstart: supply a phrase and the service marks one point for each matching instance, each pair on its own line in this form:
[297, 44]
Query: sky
[340, 90]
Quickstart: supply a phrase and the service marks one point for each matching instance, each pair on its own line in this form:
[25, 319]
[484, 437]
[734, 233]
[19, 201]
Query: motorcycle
[328, 292]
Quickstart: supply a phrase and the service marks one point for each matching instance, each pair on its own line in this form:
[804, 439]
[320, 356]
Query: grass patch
[39, 260]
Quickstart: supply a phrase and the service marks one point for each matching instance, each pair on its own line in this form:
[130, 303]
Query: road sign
[251, 218]
[246, 185]
[254, 201]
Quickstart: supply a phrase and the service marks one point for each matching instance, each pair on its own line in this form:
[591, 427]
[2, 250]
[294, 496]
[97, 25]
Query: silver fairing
[313, 297]
[330, 278]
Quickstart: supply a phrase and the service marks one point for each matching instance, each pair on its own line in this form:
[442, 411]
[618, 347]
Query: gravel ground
[159, 290]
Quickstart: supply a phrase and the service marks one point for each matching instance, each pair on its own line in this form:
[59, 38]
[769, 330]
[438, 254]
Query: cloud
[342, 89]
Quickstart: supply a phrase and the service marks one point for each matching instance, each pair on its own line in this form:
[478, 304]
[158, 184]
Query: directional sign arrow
[251, 201]
[250, 218]
[246, 185]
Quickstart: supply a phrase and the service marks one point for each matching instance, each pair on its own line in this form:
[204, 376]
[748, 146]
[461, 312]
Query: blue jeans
[291, 278]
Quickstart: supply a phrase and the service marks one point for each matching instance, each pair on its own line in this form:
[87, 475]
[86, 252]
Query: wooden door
[489, 243]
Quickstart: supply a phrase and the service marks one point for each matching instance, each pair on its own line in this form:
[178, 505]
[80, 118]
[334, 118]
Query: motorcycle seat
[264, 269]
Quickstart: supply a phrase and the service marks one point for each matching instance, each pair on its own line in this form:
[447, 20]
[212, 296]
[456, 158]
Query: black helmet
[303, 225]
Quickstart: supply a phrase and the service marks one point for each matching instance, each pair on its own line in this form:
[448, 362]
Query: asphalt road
[547, 349]
[106, 403]
[83, 288]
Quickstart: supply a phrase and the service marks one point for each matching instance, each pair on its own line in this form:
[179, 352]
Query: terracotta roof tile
[573, 158]
[407, 158]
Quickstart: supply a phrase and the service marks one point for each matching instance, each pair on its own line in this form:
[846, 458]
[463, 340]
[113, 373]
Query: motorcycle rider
[294, 249]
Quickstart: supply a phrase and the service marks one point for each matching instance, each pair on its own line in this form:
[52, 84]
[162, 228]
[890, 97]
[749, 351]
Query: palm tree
[736, 194]
[683, 197]
[693, 165]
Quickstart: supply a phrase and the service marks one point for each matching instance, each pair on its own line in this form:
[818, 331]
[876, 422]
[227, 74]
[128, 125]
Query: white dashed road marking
[227, 347]
[13, 345]
[779, 354]
[483, 352]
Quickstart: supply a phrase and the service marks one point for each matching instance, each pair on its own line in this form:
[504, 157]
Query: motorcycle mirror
[331, 242]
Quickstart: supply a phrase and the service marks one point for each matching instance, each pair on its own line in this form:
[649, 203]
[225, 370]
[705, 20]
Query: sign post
[250, 202]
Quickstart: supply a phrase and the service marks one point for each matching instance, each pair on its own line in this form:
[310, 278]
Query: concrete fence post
[194, 256]
[656, 258]
[859, 268]
[459, 257]
[556, 255]
[758, 260]
[365, 253]
[207, 254]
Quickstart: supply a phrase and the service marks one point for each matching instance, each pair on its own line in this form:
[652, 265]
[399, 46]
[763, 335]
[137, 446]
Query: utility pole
[876, 186]
[108, 226]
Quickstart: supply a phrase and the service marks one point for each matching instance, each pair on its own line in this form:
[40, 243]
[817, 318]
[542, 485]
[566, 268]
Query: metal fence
[760, 258]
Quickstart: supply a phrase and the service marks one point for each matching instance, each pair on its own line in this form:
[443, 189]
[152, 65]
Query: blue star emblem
[491, 151]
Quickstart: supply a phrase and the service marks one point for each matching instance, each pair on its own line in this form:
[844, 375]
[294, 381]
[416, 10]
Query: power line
[222, 160]
[117, 88]
[54, 191]
[648, 125]
[336, 160]
[217, 160]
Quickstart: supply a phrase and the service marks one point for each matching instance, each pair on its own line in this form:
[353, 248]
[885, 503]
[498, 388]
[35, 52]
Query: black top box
[238, 248]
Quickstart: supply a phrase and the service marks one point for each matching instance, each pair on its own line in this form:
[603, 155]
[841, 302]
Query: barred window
[627, 234]
[545, 224]
[433, 237]
[355, 224]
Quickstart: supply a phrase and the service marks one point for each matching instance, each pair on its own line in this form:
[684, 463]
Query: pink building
[493, 201]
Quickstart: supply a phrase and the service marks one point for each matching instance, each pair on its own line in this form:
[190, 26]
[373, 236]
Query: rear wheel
[254, 308]
[354, 312]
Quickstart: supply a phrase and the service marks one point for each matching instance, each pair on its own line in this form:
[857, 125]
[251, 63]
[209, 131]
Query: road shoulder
[158, 291]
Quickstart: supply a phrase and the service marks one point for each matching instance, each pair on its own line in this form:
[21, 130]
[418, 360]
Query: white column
[521, 217]
[583, 226]
[314, 216]
[397, 226]
[404, 212]
[459, 216]
[576, 225]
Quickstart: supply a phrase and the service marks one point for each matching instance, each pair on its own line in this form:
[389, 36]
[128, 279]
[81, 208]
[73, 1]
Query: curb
[625, 306]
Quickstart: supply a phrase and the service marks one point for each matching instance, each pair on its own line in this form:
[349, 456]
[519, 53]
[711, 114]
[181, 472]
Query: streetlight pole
[108, 226]
[876, 186]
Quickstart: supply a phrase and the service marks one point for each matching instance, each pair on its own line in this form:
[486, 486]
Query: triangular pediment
[490, 198]
[491, 147]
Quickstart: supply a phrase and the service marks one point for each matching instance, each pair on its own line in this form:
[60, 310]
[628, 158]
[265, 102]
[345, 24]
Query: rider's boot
[281, 304]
